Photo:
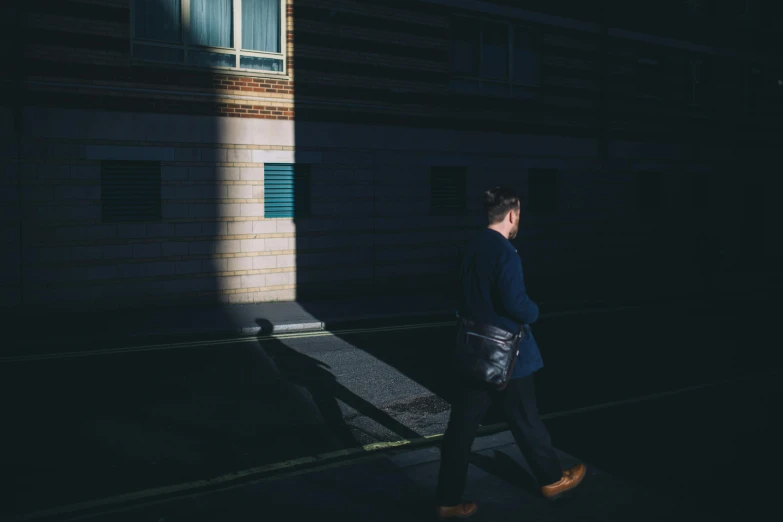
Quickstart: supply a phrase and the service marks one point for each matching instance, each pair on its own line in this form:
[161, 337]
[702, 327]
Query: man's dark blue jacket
[493, 292]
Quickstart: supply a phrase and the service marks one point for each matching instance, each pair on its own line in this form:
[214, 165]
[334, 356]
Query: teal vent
[286, 190]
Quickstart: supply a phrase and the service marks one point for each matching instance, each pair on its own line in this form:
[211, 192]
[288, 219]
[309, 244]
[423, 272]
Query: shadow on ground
[321, 388]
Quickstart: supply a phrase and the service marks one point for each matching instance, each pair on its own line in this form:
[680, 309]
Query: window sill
[214, 70]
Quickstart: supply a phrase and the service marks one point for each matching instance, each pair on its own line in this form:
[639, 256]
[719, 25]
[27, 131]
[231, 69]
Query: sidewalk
[674, 457]
[399, 486]
[639, 469]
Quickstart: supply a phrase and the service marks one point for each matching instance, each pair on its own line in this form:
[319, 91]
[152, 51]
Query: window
[130, 191]
[650, 191]
[650, 74]
[700, 8]
[752, 7]
[286, 190]
[235, 34]
[763, 87]
[701, 78]
[542, 191]
[493, 57]
[699, 188]
[447, 190]
[753, 221]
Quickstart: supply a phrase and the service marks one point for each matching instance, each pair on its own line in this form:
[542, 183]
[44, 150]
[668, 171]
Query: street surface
[91, 427]
[675, 458]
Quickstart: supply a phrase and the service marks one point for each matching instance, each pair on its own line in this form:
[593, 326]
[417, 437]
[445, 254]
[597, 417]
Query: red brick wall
[88, 44]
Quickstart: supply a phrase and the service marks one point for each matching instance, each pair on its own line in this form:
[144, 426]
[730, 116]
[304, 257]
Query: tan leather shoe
[464, 510]
[571, 479]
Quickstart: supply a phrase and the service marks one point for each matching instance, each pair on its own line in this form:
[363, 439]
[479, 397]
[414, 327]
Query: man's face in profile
[515, 229]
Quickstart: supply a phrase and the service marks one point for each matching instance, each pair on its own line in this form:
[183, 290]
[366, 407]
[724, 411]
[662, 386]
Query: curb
[162, 335]
[307, 326]
[307, 464]
[110, 334]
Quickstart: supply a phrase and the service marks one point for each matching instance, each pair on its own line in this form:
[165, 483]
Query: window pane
[211, 23]
[523, 92]
[261, 64]
[464, 85]
[261, 25]
[157, 20]
[700, 8]
[494, 58]
[465, 38]
[525, 64]
[701, 76]
[699, 190]
[753, 220]
[542, 191]
[203, 59]
[159, 54]
[495, 88]
[651, 191]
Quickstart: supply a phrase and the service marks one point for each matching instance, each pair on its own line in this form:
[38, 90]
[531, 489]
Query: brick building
[258, 150]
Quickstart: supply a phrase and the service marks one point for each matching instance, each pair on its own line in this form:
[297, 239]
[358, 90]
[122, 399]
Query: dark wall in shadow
[376, 108]
[10, 127]
[374, 112]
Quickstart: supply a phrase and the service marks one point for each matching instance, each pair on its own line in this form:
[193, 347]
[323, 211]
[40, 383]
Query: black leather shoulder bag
[486, 354]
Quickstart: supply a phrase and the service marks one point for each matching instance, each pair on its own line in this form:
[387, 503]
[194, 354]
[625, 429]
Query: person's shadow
[313, 378]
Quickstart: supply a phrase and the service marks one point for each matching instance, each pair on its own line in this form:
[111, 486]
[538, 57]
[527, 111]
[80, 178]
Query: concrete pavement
[92, 427]
[669, 459]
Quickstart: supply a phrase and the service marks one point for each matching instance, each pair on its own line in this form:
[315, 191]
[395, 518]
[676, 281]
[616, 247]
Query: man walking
[493, 292]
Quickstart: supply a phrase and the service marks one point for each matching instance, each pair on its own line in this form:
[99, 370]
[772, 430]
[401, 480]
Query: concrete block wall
[212, 243]
[370, 219]
[212, 239]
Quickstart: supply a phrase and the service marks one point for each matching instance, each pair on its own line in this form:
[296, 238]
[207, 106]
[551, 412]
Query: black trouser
[470, 405]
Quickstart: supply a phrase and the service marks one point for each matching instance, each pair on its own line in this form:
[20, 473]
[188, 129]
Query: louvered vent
[286, 190]
[130, 191]
[447, 190]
